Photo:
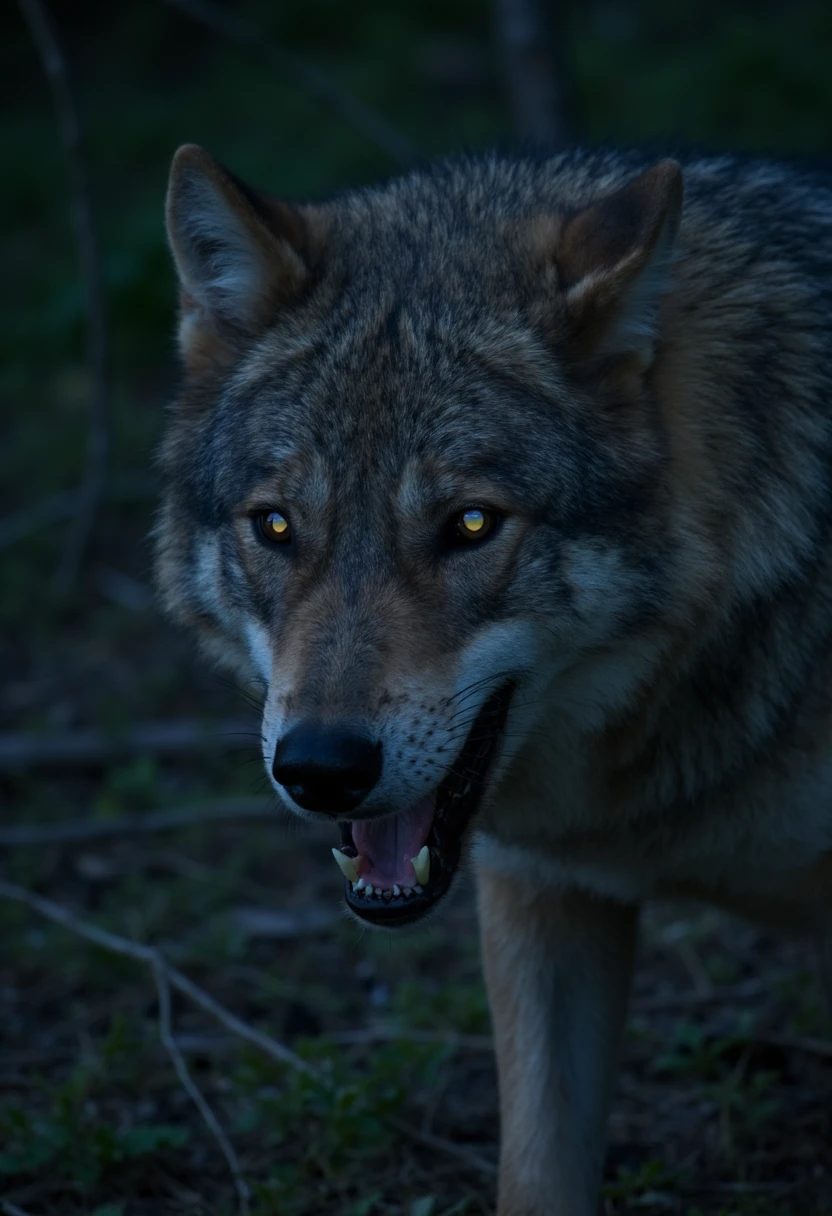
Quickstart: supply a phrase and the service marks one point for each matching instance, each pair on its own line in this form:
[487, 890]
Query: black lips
[458, 799]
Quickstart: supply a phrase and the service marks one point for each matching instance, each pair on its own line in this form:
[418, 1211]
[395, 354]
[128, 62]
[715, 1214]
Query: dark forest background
[130, 781]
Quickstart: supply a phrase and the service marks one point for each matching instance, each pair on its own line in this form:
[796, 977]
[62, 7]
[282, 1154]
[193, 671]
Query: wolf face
[413, 477]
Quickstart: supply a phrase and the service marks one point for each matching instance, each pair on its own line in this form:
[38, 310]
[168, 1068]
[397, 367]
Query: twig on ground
[670, 1001]
[73, 748]
[749, 1188]
[472, 1160]
[152, 958]
[82, 830]
[46, 40]
[365, 1037]
[389, 1034]
[375, 128]
[686, 951]
[191, 1088]
[282, 924]
[214, 1044]
[809, 1046]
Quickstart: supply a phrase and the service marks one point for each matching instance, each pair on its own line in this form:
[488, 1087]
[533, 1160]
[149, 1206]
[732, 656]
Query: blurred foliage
[70, 1140]
[751, 75]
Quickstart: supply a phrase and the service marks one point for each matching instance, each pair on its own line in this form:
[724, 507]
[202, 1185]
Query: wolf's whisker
[477, 685]
[497, 675]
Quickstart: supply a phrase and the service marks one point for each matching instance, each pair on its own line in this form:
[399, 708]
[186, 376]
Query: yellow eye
[274, 527]
[474, 524]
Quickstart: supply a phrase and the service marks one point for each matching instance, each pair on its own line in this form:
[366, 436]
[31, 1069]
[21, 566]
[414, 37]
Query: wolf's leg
[557, 966]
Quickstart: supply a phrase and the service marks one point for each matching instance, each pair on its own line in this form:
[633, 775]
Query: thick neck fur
[735, 682]
[741, 384]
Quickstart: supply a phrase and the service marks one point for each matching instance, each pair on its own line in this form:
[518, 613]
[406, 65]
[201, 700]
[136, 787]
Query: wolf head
[414, 479]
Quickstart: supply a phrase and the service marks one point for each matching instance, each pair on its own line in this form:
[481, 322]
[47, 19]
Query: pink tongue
[387, 845]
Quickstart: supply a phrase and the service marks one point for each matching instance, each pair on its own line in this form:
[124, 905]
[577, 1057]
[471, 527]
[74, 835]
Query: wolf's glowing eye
[273, 527]
[474, 524]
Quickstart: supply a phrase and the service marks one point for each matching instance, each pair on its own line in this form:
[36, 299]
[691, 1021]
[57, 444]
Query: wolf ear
[239, 256]
[613, 261]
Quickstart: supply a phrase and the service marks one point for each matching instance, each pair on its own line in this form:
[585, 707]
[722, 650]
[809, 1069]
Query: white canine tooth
[361, 884]
[396, 889]
[347, 865]
[421, 865]
[369, 889]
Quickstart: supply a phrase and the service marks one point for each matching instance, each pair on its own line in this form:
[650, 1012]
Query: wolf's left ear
[240, 257]
[613, 262]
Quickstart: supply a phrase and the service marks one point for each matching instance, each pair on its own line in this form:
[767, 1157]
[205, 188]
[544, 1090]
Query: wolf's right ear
[613, 262]
[240, 257]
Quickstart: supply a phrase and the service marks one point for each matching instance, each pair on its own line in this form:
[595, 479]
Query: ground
[724, 1104]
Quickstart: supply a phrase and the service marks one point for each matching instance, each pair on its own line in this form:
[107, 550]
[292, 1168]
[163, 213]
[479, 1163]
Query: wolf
[511, 481]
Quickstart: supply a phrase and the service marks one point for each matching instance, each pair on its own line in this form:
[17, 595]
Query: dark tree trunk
[532, 42]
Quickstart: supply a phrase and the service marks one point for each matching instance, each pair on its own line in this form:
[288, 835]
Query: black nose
[326, 768]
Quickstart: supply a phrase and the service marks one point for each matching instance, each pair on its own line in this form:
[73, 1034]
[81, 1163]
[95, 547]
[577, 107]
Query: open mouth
[396, 868]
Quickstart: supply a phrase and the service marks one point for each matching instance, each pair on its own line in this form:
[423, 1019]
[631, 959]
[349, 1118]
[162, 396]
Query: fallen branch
[367, 1036]
[164, 975]
[74, 748]
[809, 1046]
[390, 1034]
[364, 1037]
[376, 129]
[472, 1160]
[210, 1045]
[670, 1002]
[46, 40]
[192, 1089]
[151, 957]
[83, 830]
[286, 923]
[171, 976]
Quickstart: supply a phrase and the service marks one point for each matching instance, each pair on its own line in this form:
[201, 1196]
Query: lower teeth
[385, 893]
